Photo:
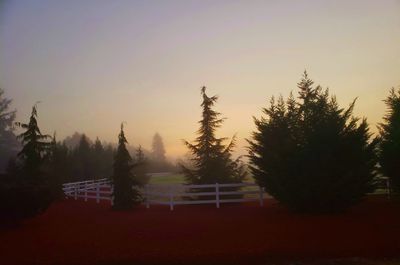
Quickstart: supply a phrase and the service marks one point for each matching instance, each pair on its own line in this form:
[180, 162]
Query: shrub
[312, 155]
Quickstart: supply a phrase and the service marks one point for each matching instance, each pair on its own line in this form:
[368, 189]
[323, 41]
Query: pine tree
[83, 162]
[27, 190]
[99, 164]
[58, 166]
[389, 155]
[158, 150]
[125, 191]
[34, 147]
[211, 159]
[8, 142]
[109, 154]
[312, 155]
[140, 170]
[158, 161]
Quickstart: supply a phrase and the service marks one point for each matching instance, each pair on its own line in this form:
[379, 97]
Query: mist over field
[94, 64]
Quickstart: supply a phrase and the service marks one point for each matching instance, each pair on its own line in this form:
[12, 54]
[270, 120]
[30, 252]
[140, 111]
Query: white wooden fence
[181, 194]
[100, 189]
[170, 195]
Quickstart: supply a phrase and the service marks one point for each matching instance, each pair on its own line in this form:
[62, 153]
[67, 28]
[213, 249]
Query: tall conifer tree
[125, 191]
[8, 142]
[158, 150]
[34, 147]
[212, 160]
[389, 155]
[27, 191]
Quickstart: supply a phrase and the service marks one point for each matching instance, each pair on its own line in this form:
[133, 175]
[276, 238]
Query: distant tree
[72, 141]
[312, 155]
[98, 159]
[140, 169]
[98, 147]
[211, 160]
[125, 183]
[8, 142]
[158, 161]
[389, 155]
[58, 166]
[83, 160]
[109, 154]
[158, 150]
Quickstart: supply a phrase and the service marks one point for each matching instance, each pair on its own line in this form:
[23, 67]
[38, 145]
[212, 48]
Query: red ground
[75, 232]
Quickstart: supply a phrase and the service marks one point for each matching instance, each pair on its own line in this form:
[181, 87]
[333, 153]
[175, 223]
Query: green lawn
[170, 179]
[176, 178]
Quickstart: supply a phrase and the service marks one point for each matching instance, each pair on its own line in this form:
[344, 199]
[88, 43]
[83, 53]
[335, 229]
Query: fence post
[217, 194]
[261, 196]
[86, 192]
[97, 192]
[112, 195]
[76, 192]
[146, 196]
[171, 199]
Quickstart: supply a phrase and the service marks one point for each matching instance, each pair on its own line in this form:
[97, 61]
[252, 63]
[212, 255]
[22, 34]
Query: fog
[95, 66]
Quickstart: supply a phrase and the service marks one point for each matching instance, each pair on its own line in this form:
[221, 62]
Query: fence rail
[100, 189]
[178, 194]
[171, 195]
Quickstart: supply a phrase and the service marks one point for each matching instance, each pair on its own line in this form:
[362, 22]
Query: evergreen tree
[72, 141]
[26, 190]
[98, 160]
[8, 142]
[211, 159]
[140, 170]
[389, 155]
[158, 150]
[83, 160]
[109, 154]
[158, 161]
[98, 147]
[125, 183]
[312, 155]
[34, 147]
[58, 166]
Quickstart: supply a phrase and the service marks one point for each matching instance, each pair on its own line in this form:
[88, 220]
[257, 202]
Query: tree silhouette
[158, 150]
[125, 192]
[58, 166]
[34, 147]
[97, 157]
[8, 142]
[211, 159]
[312, 155]
[389, 155]
[140, 170]
[27, 191]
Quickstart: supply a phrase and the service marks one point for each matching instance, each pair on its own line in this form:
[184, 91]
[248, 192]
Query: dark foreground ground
[77, 232]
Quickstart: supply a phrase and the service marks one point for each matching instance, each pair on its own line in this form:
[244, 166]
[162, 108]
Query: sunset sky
[94, 64]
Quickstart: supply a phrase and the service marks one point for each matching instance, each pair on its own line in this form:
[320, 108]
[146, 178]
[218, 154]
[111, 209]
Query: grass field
[174, 178]
[177, 178]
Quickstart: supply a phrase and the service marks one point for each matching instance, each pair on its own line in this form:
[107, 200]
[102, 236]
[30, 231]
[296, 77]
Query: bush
[389, 156]
[20, 199]
[312, 155]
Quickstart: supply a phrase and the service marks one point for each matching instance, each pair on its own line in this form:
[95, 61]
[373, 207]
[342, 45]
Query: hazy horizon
[94, 64]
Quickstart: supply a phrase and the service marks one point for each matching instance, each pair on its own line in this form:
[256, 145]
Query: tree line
[308, 152]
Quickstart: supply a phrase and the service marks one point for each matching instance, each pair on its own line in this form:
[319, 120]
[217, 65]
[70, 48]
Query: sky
[94, 64]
